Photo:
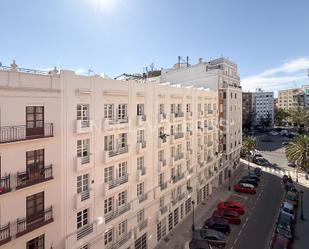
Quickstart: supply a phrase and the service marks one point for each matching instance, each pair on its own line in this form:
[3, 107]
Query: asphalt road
[257, 230]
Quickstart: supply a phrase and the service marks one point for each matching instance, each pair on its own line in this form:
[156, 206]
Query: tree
[249, 121]
[297, 151]
[248, 144]
[280, 116]
[299, 116]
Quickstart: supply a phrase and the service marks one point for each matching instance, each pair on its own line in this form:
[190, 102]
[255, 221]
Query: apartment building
[247, 114]
[288, 98]
[30, 168]
[128, 158]
[303, 97]
[263, 107]
[218, 75]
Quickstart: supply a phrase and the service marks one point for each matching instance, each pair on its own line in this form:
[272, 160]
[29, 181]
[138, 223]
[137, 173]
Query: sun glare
[103, 5]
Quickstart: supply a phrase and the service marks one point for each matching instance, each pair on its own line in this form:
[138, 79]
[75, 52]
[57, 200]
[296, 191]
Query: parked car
[292, 198]
[288, 209]
[285, 143]
[248, 177]
[252, 175]
[256, 153]
[280, 242]
[197, 244]
[258, 171]
[249, 181]
[217, 223]
[284, 226]
[244, 188]
[211, 236]
[261, 161]
[283, 132]
[231, 216]
[273, 133]
[232, 206]
[292, 164]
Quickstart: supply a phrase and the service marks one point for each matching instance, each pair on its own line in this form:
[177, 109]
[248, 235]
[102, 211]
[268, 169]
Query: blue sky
[268, 39]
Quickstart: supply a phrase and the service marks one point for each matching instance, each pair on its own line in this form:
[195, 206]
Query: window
[35, 163]
[83, 147]
[141, 242]
[172, 108]
[140, 216]
[122, 228]
[123, 137]
[122, 111]
[161, 179]
[161, 108]
[199, 107]
[161, 202]
[224, 95]
[140, 189]
[87, 246]
[170, 221]
[179, 108]
[35, 207]
[122, 169]
[188, 107]
[108, 205]
[109, 143]
[122, 198]
[82, 218]
[108, 236]
[37, 243]
[83, 112]
[140, 162]
[161, 155]
[140, 136]
[176, 216]
[108, 111]
[82, 183]
[140, 109]
[108, 174]
[34, 120]
[172, 129]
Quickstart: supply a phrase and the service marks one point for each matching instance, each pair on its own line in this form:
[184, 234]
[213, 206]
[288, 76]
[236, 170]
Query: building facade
[89, 162]
[288, 98]
[247, 114]
[303, 97]
[263, 107]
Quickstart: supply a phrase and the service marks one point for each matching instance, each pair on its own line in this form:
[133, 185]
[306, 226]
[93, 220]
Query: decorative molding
[116, 93]
[81, 91]
[29, 89]
[140, 94]
[176, 96]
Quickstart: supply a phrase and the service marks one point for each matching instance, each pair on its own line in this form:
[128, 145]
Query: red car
[231, 216]
[280, 242]
[245, 188]
[231, 206]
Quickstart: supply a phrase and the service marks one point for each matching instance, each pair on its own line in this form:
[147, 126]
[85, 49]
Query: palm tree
[297, 151]
[248, 144]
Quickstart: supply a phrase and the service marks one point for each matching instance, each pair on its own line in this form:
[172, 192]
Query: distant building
[263, 107]
[246, 109]
[288, 98]
[303, 97]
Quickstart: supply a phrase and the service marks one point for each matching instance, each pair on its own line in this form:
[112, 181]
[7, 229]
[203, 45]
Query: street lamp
[229, 174]
[193, 227]
[301, 207]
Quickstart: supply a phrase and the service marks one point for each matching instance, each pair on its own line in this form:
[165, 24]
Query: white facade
[128, 158]
[263, 106]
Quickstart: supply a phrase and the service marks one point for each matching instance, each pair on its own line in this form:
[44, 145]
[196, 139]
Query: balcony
[210, 127]
[161, 164]
[5, 234]
[200, 114]
[117, 212]
[189, 153]
[83, 126]
[176, 115]
[178, 177]
[210, 112]
[210, 143]
[84, 231]
[178, 198]
[179, 156]
[163, 186]
[140, 172]
[115, 154]
[142, 197]
[115, 123]
[189, 115]
[161, 117]
[162, 141]
[140, 120]
[83, 162]
[9, 134]
[199, 131]
[140, 146]
[188, 134]
[5, 184]
[179, 135]
[25, 179]
[117, 182]
[25, 225]
[120, 242]
[83, 198]
[143, 224]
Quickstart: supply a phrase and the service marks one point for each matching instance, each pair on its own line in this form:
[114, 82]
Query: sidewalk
[182, 233]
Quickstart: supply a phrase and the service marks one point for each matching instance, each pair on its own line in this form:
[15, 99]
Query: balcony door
[34, 121]
[35, 161]
[35, 208]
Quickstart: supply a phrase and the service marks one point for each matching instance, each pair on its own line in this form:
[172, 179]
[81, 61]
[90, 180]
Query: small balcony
[140, 173]
[163, 209]
[83, 198]
[120, 242]
[178, 198]
[117, 181]
[5, 234]
[115, 154]
[84, 231]
[115, 123]
[161, 117]
[83, 162]
[179, 135]
[25, 179]
[189, 115]
[9, 134]
[140, 146]
[163, 186]
[176, 115]
[178, 177]
[143, 224]
[161, 164]
[162, 141]
[142, 197]
[188, 134]
[210, 128]
[140, 120]
[210, 143]
[26, 225]
[83, 126]
[200, 114]
[210, 112]
[117, 212]
[5, 184]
